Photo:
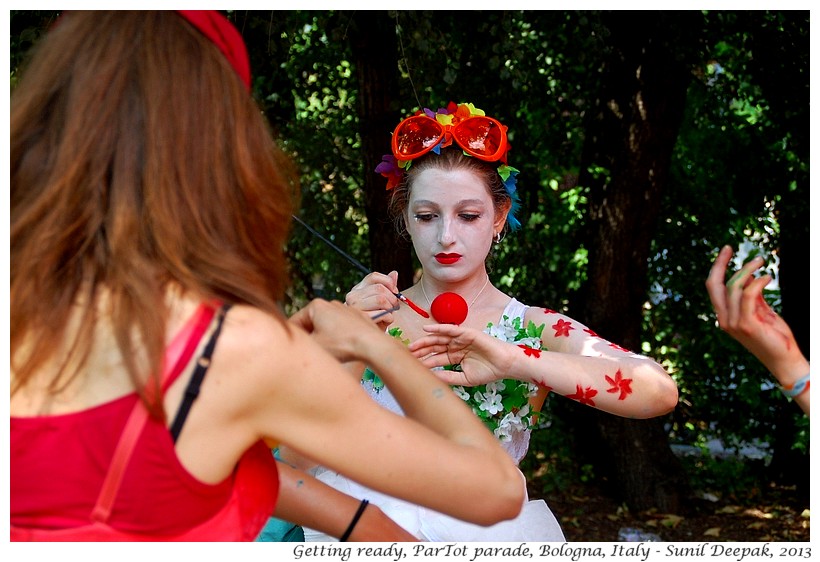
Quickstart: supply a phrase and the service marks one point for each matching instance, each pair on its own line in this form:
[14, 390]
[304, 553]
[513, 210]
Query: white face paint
[451, 218]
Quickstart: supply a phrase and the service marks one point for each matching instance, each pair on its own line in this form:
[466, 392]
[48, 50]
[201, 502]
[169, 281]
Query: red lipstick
[447, 259]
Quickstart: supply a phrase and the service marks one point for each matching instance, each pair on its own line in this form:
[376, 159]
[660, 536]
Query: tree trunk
[788, 464]
[375, 58]
[626, 164]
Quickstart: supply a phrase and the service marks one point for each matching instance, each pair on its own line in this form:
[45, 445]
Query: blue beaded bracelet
[797, 388]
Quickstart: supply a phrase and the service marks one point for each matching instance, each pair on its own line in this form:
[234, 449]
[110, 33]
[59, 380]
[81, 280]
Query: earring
[499, 236]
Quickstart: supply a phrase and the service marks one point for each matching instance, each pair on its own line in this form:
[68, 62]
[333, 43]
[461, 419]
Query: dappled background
[645, 141]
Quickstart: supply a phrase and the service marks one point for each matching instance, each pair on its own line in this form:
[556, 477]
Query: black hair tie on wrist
[353, 521]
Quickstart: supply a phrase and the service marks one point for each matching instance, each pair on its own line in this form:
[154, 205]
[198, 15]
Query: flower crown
[476, 134]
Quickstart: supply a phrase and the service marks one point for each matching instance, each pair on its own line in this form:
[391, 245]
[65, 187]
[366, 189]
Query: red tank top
[111, 473]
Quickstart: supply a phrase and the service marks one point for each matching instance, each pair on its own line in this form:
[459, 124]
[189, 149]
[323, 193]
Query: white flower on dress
[461, 393]
[495, 386]
[489, 402]
[505, 331]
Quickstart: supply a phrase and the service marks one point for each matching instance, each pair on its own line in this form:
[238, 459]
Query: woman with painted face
[454, 194]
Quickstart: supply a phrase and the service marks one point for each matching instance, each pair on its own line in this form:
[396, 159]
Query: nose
[445, 233]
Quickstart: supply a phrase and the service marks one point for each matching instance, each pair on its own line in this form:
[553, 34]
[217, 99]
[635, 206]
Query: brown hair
[450, 159]
[138, 161]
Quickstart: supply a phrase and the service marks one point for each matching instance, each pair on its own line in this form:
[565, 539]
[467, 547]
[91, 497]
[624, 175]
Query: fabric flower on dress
[461, 393]
[490, 402]
[511, 422]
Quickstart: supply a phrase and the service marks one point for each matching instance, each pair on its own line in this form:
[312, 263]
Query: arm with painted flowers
[573, 361]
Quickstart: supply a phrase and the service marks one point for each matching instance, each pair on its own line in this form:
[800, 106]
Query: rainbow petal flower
[391, 169]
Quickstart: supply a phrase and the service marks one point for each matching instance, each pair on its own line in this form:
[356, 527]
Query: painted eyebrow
[423, 202]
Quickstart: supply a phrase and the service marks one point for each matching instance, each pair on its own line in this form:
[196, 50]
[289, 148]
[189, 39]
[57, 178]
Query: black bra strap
[202, 364]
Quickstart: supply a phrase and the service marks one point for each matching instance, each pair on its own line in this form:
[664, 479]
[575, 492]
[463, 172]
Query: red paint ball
[449, 308]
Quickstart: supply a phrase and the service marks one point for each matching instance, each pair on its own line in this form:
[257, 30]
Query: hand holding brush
[361, 268]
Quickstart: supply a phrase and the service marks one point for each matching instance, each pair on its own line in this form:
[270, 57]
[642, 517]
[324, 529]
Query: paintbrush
[359, 265]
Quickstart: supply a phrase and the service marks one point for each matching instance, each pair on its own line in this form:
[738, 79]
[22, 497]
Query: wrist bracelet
[797, 388]
[353, 521]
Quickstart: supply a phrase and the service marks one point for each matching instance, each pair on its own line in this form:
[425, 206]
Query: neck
[470, 290]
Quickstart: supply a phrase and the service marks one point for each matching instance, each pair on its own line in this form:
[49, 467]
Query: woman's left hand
[478, 356]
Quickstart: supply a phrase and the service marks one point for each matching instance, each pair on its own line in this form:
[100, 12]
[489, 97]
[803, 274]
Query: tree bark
[375, 57]
[625, 165]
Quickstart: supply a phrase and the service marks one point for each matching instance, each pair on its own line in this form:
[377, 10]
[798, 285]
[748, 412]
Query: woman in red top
[152, 367]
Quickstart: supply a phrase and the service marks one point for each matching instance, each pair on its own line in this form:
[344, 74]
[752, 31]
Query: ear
[501, 213]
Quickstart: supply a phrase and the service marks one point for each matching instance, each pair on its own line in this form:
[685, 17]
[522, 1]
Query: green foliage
[723, 389]
[321, 135]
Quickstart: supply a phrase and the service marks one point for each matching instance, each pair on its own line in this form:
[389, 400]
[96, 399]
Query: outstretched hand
[478, 357]
[744, 314]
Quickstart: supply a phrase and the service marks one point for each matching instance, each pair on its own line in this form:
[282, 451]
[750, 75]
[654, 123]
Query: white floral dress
[535, 523]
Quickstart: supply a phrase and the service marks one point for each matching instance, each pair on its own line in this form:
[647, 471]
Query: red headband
[224, 35]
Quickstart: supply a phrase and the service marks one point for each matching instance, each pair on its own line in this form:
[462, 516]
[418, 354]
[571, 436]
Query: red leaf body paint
[619, 384]
[584, 396]
[562, 328]
[530, 352]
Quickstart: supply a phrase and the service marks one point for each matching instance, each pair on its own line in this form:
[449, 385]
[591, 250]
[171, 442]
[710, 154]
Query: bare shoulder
[265, 350]
[254, 341]
[250, 375]
[254, 326]
[267, 372]
[255, 360]
[258, 352]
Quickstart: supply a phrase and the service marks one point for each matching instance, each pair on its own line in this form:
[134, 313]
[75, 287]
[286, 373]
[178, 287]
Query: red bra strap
[122, 454]
[177, 355]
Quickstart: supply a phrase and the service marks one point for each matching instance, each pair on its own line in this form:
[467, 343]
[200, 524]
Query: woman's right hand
[375, 294]
[343, 331]
[744, 314]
